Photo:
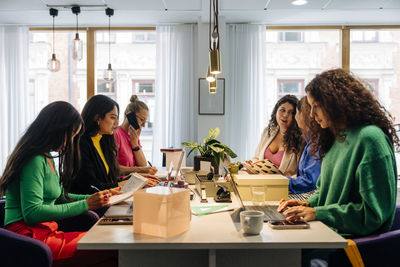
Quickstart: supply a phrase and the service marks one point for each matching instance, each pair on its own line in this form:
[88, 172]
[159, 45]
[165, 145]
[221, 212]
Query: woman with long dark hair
[98, 150]
[36, 196]
[308, 169]
[356, 191]
[281, 139]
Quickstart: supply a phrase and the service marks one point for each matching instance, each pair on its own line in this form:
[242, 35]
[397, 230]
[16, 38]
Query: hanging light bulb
[53, 64]
[77, 45]
[214, 55]
[212, 87]
[109, 74]
[215, 63]
[210, 77]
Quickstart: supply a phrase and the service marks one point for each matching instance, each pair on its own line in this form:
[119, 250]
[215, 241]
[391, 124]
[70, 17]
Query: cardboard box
[189, 174]
[276, 185]
[211, 185]
[161, 211]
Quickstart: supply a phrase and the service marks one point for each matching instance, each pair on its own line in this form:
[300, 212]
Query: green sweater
[357, 189]
[32, 198]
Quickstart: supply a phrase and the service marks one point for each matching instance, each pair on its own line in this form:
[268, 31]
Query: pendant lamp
[77, 45]
[109, 74]
[214, 55]
[53, 64]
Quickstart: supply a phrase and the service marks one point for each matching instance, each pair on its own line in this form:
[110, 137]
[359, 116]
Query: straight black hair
[97, 107]
[52, 130]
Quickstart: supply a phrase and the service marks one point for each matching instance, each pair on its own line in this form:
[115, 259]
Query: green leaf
[194, 148]
[189, 144]
[212, 134]
[216, 149]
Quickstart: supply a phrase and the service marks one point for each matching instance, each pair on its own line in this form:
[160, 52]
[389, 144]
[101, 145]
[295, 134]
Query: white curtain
[245, 93]
[176, 103]
[14, 105]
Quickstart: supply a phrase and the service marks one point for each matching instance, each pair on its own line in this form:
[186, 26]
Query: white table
[212, 240]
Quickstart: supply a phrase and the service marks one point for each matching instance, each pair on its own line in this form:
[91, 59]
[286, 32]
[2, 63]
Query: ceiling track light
[53, 64]
[109, 73]
[77, 45]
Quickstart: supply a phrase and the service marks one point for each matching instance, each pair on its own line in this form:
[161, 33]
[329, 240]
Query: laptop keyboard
[270, 212]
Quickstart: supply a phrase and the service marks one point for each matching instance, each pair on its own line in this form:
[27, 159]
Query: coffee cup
[252, 221]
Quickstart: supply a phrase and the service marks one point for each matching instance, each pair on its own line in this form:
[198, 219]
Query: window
[106, 88]
[291, 65]
[377, 63]
[69, 83]
[292, 87]
[133, 58]
[364, 36]
[290, 37]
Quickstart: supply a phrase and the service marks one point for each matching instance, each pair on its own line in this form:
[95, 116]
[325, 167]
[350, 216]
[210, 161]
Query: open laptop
[270, 212]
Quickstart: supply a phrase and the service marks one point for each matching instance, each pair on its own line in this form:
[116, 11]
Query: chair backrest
[396, 221]
[2, 211]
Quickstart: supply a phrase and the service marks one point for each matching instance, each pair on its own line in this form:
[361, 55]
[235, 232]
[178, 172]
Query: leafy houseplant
[212, 150]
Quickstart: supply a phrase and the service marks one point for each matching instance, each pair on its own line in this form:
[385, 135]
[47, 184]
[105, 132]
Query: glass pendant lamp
[77, 45]
[53, 64]
[109, 74]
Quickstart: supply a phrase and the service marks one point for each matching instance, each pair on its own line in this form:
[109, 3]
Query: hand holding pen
[101, 198]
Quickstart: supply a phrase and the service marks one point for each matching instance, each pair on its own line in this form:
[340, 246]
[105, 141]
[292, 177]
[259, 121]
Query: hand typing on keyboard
[285, 204]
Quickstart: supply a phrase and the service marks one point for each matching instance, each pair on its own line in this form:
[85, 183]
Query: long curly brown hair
[346, 102]
[292, 139]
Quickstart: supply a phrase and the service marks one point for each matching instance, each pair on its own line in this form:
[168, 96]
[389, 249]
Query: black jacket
[92, 171]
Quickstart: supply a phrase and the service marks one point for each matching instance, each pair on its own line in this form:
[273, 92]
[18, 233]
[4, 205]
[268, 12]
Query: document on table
[210, 208]
[135, 182]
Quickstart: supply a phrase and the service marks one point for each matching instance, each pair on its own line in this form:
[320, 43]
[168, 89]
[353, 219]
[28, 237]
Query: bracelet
[136, 148]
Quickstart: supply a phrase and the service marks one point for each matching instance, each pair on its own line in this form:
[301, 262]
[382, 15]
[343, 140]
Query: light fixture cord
[109, 37]
[215, 11]
[76, 22]
[209, 28]
[53, 36]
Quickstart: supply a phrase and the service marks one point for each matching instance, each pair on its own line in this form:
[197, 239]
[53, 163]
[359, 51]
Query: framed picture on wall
[211, 104]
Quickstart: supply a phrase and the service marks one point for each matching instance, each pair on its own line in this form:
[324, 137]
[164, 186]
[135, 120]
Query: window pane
[69, 83]
[133, 58]
[377, 64]
[289, 66]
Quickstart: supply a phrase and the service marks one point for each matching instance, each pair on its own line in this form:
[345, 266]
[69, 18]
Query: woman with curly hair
[356, 191]
[281, 139]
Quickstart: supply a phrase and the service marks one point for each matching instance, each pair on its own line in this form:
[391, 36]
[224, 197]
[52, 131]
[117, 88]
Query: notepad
[208, 209]
[134, 183]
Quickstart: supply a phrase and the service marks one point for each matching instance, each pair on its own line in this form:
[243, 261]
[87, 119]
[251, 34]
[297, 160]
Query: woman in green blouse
[36, 195]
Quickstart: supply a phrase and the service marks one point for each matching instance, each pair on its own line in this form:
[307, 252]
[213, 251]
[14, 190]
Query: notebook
[270, 212]
[134, 183]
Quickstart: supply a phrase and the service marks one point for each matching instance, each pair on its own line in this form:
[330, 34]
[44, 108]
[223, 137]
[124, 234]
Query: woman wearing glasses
[130, 154]
[281, 140]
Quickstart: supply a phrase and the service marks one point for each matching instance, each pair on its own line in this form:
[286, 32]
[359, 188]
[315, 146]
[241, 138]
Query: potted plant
[211, 150]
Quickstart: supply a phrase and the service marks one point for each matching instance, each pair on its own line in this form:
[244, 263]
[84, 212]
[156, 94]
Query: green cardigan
[357, 189]
[32, 198]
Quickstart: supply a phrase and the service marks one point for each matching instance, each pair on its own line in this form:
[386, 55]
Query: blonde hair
[135, 105]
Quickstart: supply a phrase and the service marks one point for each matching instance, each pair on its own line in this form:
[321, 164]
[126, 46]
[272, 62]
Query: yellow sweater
[96, 142]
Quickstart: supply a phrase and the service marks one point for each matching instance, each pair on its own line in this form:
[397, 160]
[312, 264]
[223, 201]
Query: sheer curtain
[245, 94]
[14, 105]
[176, 105]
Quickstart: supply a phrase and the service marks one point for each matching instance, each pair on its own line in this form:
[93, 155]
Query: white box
[276, 185]
[161, 211]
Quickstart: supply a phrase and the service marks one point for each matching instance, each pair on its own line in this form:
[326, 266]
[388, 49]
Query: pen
[149, 163]
[95, 188]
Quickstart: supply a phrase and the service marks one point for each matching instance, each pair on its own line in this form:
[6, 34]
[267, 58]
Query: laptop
[270, 212]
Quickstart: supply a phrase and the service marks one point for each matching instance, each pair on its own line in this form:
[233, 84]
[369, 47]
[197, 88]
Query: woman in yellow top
[100, 168]
[281, 140]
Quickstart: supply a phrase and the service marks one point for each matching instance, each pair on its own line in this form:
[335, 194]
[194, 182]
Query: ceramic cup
[252, 221]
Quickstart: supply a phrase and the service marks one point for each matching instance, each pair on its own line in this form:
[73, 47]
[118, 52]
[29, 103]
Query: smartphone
[133, 120]
[283, 224]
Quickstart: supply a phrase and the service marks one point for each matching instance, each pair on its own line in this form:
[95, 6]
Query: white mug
[252, 221]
